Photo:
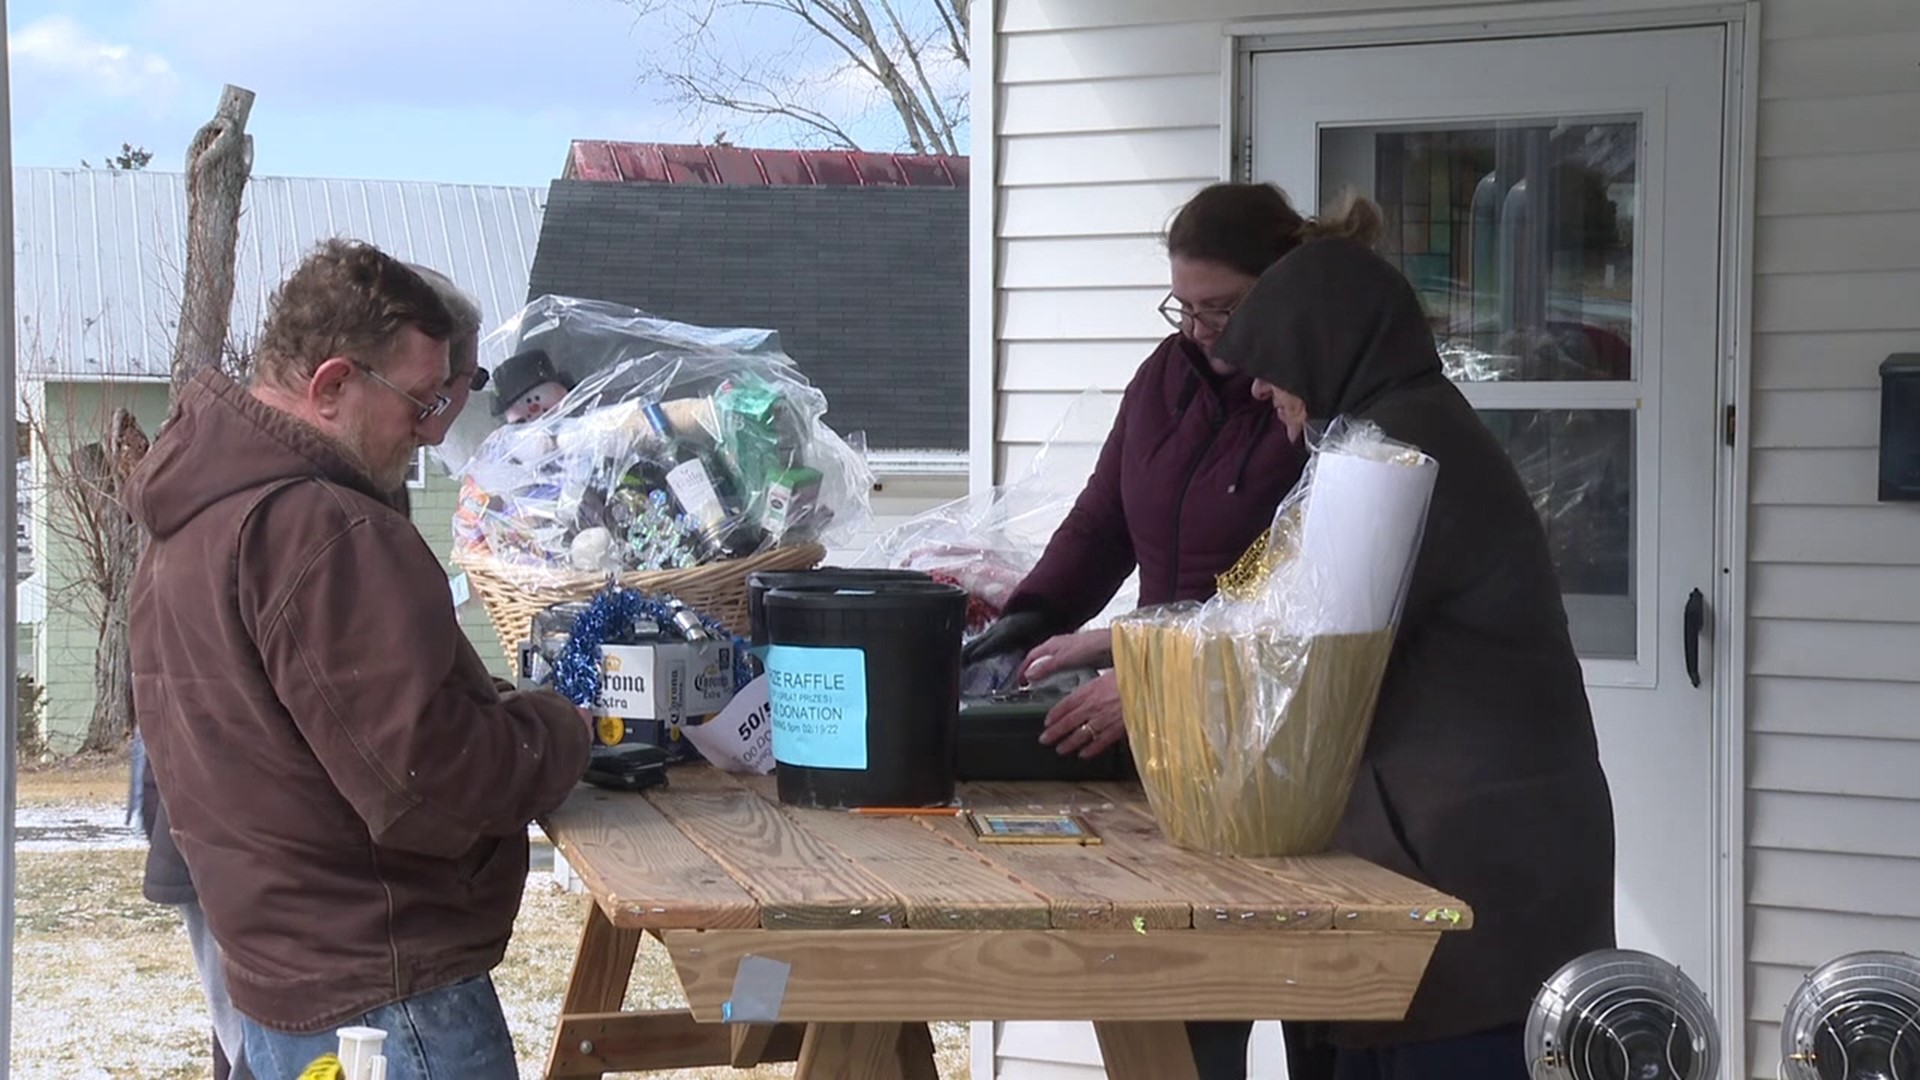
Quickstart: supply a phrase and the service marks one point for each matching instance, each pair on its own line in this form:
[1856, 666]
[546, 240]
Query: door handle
[1696, 619]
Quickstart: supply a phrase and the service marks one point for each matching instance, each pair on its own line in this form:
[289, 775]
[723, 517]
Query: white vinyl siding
[1108, 117]
[1834, 595]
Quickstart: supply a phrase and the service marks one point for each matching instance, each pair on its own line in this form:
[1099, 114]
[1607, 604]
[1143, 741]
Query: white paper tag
[461, 592]
[740, 738]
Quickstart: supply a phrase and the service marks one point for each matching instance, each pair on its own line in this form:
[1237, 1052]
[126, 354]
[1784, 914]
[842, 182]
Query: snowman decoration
[527, 386]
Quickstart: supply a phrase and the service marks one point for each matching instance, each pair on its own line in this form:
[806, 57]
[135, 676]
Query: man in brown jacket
[349, 786]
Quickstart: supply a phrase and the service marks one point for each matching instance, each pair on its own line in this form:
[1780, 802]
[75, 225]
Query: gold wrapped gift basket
[1248, 714]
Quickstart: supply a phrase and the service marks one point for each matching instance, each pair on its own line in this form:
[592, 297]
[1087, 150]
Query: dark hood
[220, 441]
[1335, 325]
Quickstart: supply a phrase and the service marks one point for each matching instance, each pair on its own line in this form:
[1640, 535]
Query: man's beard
[388, 474]
[393, 473]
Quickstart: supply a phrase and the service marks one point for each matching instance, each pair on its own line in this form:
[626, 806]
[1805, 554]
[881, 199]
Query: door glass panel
[1519, 236]
[1577, 466]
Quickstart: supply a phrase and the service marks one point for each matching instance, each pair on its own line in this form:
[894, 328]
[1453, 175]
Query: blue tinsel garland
[615, 613]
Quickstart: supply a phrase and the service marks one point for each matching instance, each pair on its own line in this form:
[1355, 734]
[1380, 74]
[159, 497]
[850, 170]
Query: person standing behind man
[166, 879]
[349, 786]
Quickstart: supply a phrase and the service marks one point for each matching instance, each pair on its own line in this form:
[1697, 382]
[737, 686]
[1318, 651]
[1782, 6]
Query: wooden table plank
[800, 881]
[602, 969]
[850, 1052]
[917, 1058]
[1361, 896]
[1083, 887]
[1368, 897]
[644, 872]
[846, 976]
[593, 1044]
[1146, 1051]
[941, 887]
[1223, 893]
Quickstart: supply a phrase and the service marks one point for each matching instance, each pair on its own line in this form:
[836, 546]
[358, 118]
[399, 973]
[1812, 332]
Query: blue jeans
[454, 1033]
[226, 1019]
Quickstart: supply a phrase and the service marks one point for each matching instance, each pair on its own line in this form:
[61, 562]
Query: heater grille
[1621, 1015]
[1856, 1018]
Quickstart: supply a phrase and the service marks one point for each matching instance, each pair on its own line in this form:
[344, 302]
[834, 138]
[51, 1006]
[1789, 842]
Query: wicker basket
[1284, 796]
[514, 595]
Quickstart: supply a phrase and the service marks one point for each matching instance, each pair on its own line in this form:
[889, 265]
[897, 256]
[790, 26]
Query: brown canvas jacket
[345, 779]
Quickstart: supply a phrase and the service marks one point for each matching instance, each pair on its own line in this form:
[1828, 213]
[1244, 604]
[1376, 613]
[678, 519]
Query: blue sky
[476, 91]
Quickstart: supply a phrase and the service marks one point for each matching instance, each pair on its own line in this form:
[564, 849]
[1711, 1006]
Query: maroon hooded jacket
[1189, 477]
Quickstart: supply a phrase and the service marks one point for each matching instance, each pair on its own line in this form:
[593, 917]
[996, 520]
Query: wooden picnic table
[857, 930]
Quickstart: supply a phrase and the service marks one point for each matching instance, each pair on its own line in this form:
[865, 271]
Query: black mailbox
[1900, 428]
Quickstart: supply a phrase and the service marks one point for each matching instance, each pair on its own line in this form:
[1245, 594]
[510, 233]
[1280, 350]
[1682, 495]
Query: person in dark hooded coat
[1482, 775]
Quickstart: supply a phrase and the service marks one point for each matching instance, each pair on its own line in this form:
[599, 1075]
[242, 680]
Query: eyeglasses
[441, 402]
[1176, 312]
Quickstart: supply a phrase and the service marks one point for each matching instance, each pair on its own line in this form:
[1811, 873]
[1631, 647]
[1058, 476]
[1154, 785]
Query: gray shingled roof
[99, 254]
[866, 286]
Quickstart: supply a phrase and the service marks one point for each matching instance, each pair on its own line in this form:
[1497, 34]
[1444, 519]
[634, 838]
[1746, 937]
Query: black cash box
[1000, 739]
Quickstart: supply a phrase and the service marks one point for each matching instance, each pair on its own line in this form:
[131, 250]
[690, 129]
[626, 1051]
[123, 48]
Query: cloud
[59, 49]
[429, 53]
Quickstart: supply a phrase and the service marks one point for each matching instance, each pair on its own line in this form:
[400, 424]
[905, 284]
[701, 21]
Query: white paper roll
[1359, 535]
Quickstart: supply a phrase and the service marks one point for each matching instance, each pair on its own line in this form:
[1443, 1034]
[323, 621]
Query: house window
[417, 478]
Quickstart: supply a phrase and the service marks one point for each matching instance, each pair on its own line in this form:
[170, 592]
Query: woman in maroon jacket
[1192, 471]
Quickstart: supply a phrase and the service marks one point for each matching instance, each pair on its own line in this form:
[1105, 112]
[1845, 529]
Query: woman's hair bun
[1350, 216]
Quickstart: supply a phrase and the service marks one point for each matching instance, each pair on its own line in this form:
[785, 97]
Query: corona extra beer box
[648, 691]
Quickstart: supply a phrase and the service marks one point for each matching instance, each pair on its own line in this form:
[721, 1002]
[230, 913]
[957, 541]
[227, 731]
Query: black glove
[1018, 632]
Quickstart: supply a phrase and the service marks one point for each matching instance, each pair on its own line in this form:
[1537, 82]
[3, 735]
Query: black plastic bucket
[865, 692]
[827, 577]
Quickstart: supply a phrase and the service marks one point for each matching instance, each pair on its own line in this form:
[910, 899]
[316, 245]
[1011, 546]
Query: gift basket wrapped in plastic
[673, 459]
[1248, 713]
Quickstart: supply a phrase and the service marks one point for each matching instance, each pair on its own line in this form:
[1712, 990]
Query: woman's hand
[1086, 649]
[1088, 720]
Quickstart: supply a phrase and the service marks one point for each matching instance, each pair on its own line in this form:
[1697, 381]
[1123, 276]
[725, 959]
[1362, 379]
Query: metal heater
[1622, 1015]
[1855, 1018]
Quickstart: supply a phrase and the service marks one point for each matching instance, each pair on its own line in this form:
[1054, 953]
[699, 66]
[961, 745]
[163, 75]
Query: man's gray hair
[463, 348]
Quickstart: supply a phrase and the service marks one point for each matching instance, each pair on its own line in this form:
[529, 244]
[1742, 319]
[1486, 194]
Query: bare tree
[87, 456]
[83, 479]
[88, 461]
[219, 160]
[131, 158]
[843, 57]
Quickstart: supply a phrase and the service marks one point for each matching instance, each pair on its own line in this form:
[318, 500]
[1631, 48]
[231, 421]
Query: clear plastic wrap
[685, 446]
[1247, 714]
[584, 337]
[1577, 467]
[987, 542]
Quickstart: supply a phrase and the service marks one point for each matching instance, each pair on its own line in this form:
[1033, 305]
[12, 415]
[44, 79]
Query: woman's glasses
[1180, 316]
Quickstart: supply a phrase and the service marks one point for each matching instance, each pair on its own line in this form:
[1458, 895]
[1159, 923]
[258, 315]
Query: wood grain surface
[844, 976]
[802, 882]
[642, 870]
[710, 851]
[941, 886]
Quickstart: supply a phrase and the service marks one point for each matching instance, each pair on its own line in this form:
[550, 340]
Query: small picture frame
[998, 828]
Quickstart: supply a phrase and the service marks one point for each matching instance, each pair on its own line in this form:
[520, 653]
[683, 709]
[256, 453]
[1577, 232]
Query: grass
[105, 990]
[90, 778]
